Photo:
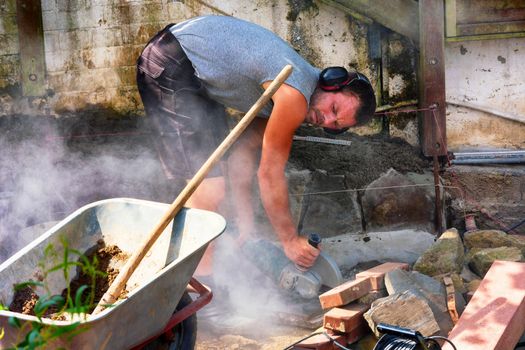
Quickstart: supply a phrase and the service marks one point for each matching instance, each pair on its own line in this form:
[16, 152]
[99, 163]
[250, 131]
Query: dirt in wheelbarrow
[107, 261]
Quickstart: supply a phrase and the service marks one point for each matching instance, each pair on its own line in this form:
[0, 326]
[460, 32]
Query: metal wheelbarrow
[157, 289]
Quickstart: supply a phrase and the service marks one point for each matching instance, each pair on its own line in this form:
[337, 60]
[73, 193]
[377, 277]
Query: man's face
[333, 110]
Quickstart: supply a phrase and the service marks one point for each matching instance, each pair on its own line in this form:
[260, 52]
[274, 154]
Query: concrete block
[8, 24]
[51, 42]
[377, 273]
[346, 318]
[297, 184]
[494, 319]
[9, 44]
[345, 293]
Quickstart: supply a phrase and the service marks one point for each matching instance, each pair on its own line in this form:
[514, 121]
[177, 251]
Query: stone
[473, 285]
[494, 319]
[372, 296]
[481, 259]
[459, 285]
[467, 274]
[426, 287]
[329, 200]
[492, 239]
[445, 256]
[297, 186]
[392, 202]
[404, 309]
[403, 246]
[399, 281]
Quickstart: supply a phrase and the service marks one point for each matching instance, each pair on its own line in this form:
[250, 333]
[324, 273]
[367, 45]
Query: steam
[43, 180]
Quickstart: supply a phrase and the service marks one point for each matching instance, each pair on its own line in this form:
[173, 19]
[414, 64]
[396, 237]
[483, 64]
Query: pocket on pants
[149, 67]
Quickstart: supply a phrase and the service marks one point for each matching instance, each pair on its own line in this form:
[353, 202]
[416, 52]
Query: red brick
[321, 342]
[346, 318]
[377, 274]
[345, 293]
[360, 332]
[494, 319]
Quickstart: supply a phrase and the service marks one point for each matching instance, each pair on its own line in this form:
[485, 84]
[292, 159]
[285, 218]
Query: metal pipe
[492, 157]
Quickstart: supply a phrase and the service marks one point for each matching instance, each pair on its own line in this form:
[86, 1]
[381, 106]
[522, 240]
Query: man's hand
[300, 251]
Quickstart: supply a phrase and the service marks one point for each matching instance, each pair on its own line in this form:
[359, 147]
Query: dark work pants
[187, 125]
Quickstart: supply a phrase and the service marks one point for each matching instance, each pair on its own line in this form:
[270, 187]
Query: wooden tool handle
[118, 284]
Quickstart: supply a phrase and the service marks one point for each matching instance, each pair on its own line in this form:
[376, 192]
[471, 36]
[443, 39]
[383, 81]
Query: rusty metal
[451, 299]
[31, 42]
[437, 183]
[431, 77]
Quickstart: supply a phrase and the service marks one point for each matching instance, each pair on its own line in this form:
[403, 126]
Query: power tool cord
[336, 343]
[394, 342]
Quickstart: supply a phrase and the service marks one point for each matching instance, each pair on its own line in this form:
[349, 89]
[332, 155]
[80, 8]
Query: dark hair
[364, 92]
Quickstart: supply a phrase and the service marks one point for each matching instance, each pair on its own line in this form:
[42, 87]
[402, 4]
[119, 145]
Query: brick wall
[9, 58]
[91, 46]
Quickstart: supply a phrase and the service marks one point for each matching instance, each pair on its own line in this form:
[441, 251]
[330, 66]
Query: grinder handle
[314, 240]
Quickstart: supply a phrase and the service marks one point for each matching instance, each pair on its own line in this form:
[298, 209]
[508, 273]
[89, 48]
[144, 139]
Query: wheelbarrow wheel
[184, 334]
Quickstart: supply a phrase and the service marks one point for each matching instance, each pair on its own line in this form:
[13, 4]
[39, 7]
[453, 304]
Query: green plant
[70, 304]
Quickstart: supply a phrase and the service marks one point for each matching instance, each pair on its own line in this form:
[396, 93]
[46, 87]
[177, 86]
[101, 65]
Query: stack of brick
[343, 320]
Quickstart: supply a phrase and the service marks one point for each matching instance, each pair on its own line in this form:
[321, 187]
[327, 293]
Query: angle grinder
[307, 283]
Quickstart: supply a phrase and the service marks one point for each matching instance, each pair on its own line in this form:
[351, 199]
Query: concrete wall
[488, 74]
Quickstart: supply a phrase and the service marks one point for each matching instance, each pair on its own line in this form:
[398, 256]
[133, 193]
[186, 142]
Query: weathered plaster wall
[486, 73]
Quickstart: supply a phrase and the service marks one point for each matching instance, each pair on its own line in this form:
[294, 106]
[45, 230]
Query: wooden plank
[491, 28]
[401, 16]
[431, 78]
[450, 17]
[31, 40]
[475, 11]
[494, 319]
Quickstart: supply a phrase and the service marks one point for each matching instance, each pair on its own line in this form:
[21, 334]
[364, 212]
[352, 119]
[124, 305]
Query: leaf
[44, 303]
[23, 285]
[78, 295]
[34, 338]
[14, 322]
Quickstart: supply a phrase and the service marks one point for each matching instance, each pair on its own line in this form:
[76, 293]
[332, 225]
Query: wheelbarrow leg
[205, 296]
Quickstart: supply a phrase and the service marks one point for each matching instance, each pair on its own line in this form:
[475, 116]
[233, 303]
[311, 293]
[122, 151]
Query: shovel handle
[118, 284]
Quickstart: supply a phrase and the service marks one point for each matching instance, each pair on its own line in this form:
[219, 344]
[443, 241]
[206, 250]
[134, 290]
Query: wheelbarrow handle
[118, 284]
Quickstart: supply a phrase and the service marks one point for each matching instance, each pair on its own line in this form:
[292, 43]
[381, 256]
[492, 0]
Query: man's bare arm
[288, 113]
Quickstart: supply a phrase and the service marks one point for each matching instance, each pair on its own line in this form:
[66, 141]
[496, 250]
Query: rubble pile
[428, 296]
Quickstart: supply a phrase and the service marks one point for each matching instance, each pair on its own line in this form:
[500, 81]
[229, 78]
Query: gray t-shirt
[233, 57]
